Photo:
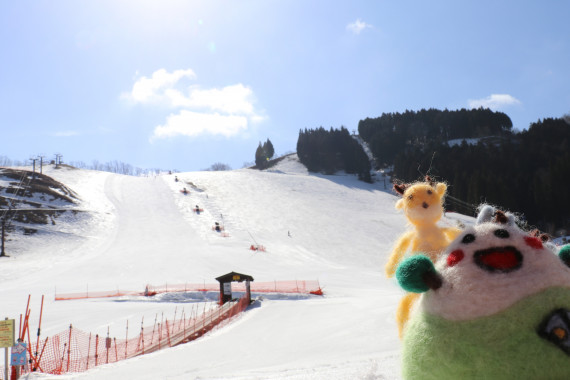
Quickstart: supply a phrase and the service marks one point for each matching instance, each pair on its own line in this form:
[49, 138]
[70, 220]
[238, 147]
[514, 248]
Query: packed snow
[142, 230]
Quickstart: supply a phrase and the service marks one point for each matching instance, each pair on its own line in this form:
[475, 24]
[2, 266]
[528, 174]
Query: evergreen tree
[268, 148]
[333, 150]
[260, 158]
[263, 154]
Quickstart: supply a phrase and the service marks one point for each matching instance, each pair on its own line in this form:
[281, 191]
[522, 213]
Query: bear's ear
[399, 204]
[504, 218]
[564, 255]
[440, 189]
[400, 188]
[486, 213]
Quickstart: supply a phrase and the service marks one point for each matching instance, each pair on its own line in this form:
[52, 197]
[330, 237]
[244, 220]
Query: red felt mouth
[499, 259]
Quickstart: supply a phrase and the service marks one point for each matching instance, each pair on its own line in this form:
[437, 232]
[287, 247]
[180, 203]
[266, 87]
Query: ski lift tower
[226, 285]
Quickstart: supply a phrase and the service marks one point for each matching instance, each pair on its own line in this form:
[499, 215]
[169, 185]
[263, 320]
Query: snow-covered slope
[334, 229]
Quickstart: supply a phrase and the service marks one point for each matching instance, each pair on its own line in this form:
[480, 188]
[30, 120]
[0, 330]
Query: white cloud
[494, 101]
[357, 26]
[65, 134]
[189, 123]
[234, 99]
[223, 111]
[151, 89]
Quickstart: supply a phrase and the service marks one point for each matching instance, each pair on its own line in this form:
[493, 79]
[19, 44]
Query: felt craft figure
[496, 305]
[422, 203]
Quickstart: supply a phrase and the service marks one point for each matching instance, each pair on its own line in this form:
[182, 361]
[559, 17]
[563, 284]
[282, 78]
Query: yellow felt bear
[422, 203]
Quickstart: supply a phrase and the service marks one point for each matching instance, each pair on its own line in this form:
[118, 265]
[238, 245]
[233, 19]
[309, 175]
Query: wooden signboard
[7, 333]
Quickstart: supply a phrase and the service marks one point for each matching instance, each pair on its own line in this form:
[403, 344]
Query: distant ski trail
[148, 221]
[145, 210]
[149, 229]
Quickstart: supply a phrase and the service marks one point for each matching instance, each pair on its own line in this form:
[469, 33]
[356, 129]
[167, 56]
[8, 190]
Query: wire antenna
[429, 168]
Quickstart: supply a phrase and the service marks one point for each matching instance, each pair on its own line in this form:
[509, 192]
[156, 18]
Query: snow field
[143, 231]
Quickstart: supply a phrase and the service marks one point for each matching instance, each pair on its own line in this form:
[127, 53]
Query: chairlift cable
[460, 201]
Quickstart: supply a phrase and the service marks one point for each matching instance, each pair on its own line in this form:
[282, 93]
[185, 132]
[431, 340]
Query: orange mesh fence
[77, 351]
[100, 294]
[294, 286]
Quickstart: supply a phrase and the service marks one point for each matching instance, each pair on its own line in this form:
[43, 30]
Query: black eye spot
[469, 238]
[503, 234]
[430, 192]
[410, 197]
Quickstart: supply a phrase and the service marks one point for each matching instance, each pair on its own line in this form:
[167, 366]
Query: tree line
[329, 151]
[526, 172]
[392, 133]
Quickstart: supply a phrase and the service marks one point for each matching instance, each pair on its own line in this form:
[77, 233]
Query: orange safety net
[100, 294]
[77, 351]
[294, 286]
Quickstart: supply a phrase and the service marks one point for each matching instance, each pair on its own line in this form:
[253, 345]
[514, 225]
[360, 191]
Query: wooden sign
[7, 333]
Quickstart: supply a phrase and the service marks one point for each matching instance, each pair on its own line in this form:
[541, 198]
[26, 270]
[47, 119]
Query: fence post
[140, 338]
[142, 335]
[69, 347]
[62, 358]
[174, 320]
[96, 350]
[204, 320]
[107, 345]
[153, 327]
[127, 339]
[39, 331]
[42, 353]
[88, 348]
[159, 335]
[168, 334]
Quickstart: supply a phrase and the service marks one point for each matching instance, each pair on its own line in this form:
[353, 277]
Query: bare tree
[5, 161]
[218, 166]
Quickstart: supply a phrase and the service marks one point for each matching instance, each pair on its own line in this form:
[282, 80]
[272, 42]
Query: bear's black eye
[503, 234]
[469, 238]
[430, 192]
[410, 197]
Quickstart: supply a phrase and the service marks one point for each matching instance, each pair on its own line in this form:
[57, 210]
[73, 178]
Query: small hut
[226, 285]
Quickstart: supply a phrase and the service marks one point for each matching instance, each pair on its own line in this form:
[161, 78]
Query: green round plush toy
[495, 306]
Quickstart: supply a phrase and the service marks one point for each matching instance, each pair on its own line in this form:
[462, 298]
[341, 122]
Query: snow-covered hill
[334, 229]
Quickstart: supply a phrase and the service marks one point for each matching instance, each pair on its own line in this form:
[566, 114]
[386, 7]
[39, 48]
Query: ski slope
[142, 230]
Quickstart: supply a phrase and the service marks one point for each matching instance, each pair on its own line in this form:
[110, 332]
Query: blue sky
[183, 84]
